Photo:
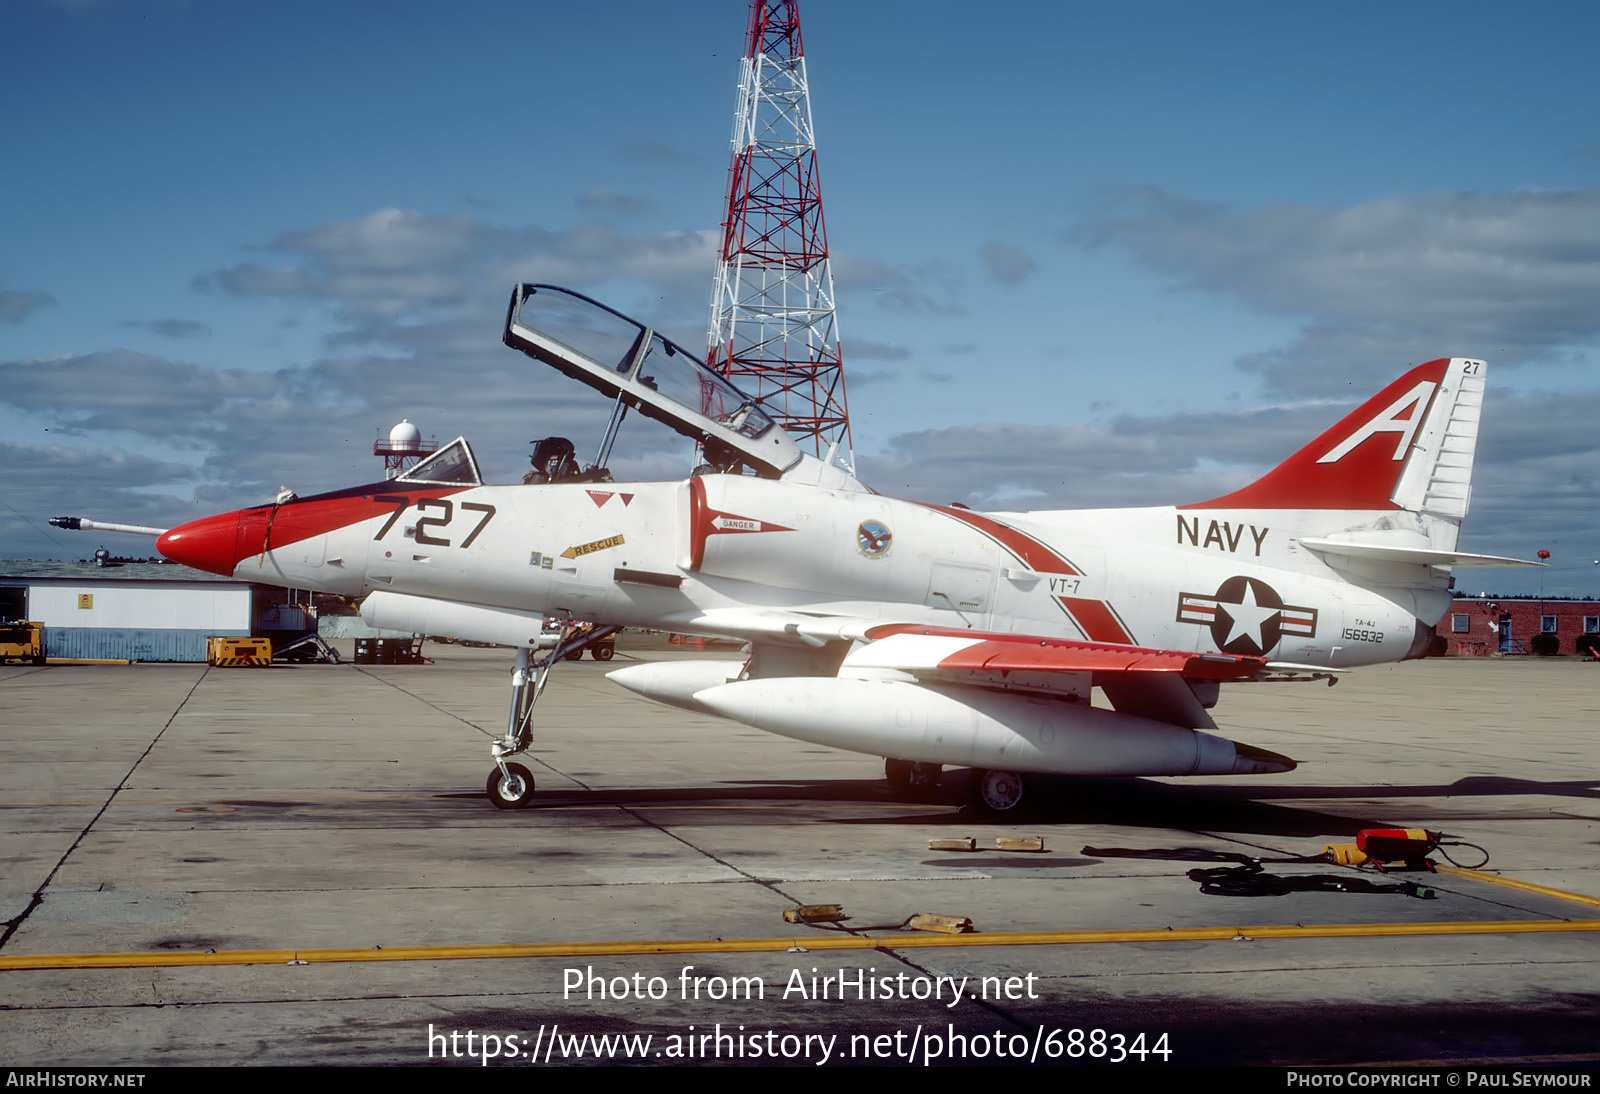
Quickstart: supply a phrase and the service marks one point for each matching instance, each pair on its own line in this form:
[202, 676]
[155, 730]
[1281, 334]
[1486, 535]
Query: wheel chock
[815, 913]
[1020, 843]
[968, 844]
[944, 924]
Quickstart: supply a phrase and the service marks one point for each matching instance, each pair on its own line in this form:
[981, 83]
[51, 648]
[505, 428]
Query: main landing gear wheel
[515, 792]
[999, 793]
[906, 775]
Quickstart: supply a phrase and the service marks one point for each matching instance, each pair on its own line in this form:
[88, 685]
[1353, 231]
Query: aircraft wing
[924, 650]
[920, 649]
[1171, 686]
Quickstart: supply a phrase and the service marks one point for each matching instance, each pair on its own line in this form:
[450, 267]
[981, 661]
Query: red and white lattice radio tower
[773, 331]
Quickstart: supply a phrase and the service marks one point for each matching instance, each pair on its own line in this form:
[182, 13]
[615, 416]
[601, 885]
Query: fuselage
[710, 554]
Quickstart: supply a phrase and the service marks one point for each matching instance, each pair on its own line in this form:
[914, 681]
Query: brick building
[1479, 626]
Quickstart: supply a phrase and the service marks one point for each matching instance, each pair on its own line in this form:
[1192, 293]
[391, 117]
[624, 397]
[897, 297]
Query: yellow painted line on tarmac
[804, 943]
[1525, 886]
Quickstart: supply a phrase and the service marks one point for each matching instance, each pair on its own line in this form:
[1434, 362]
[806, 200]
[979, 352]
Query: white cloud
[930, 288]
[1007, 263]
[17, 304]
[170, 328]
[43, 481]
[135, 392]
[1536, 480]
[606, 200]
[252, 278]
[1509, 276]
[866, 349]
[397, 266]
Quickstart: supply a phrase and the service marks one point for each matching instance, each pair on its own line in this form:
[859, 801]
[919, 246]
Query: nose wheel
[511, 788]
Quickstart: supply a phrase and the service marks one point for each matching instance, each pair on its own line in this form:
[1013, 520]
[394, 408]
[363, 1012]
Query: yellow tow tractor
[22, 642]
[602, 649]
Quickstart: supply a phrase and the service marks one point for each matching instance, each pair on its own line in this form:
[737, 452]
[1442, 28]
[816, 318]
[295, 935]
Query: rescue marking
[590, 548]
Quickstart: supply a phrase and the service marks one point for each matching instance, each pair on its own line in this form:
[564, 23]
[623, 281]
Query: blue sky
[1087, 254]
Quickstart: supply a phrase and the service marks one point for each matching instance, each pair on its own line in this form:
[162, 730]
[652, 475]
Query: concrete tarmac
[328, 825]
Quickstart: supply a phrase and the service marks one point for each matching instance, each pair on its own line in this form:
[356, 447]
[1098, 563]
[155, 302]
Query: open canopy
[631, 363]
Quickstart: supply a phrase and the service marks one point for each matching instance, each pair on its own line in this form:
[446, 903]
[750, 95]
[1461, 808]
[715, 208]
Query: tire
[575, 655]
[604, 653]
[905, 775]
[999, 793]
[513, 793]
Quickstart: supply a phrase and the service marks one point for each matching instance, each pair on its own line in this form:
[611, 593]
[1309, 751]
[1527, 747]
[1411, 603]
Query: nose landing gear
[510, 785]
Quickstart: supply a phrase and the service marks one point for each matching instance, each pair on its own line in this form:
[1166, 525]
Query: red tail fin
[1358, 463]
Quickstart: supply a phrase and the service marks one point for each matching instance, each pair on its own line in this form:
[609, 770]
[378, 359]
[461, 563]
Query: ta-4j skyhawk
[931, 635]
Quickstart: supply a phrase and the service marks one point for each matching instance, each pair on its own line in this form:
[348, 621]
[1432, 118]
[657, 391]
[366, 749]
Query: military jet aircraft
[931, 635]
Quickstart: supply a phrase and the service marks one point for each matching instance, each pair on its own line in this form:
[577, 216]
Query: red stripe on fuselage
[1036, 555]
[699, 523]
[703, 523]
[1095, 618]
[217, 544]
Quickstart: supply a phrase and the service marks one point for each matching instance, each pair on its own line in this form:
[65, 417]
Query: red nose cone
[210, 543]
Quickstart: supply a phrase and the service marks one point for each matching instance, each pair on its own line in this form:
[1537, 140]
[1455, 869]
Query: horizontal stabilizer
[1417, 556]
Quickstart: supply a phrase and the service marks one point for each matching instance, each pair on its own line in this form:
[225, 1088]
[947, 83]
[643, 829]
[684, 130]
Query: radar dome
[405, 435]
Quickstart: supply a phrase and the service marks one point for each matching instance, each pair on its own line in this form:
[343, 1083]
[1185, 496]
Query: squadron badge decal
[873, 538]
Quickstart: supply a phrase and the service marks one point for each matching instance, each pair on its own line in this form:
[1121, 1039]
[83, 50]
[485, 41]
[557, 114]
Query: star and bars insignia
[1247, 616]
